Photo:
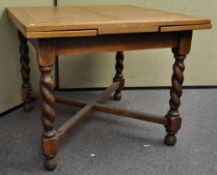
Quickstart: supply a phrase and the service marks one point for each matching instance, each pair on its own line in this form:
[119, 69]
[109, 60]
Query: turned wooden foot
[170, 139]
[50, 163]
[25, 71]
[27, 107]
[50, 148]
[119, 66]
[117, 96]
[172, 127]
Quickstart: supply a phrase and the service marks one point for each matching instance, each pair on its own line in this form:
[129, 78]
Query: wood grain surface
[69, 21]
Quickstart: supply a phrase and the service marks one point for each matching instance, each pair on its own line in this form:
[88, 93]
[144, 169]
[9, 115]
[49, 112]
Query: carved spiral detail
[177, 81]
[173, 116]
[24, 60]
[47, 103]
[25, 72]
[119, 66]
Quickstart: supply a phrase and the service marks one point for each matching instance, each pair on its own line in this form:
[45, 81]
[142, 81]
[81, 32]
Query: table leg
[119, 66]
[49, 142]
[173, 116]
[25, 71]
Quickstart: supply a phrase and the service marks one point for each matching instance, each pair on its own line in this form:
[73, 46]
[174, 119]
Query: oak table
[55, 31]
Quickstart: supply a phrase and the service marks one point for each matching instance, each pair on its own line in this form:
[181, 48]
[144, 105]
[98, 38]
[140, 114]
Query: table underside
[48, 48]
[96, 105]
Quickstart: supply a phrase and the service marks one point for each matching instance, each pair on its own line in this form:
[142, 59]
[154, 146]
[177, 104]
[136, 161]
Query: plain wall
[149, 67]
[10, 76]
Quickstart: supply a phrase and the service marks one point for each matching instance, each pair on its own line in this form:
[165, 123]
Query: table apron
[109, 43]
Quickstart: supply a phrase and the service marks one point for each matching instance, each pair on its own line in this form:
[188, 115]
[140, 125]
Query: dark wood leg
[119, 66]
[49, 142]
[173, 116]
[25, 70]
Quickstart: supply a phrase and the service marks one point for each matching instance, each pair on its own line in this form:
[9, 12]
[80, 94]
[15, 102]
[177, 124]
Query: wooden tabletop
[72, 21]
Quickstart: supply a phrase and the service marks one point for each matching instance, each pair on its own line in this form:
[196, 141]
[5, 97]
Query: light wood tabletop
[73, 21]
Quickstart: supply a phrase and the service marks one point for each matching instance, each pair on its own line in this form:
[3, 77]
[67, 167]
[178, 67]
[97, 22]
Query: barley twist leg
[173, 116]
[119, 66]
[48, 117]
[25, 71]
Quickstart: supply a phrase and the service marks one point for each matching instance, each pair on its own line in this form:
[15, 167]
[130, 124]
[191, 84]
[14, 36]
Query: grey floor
[111, 145]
